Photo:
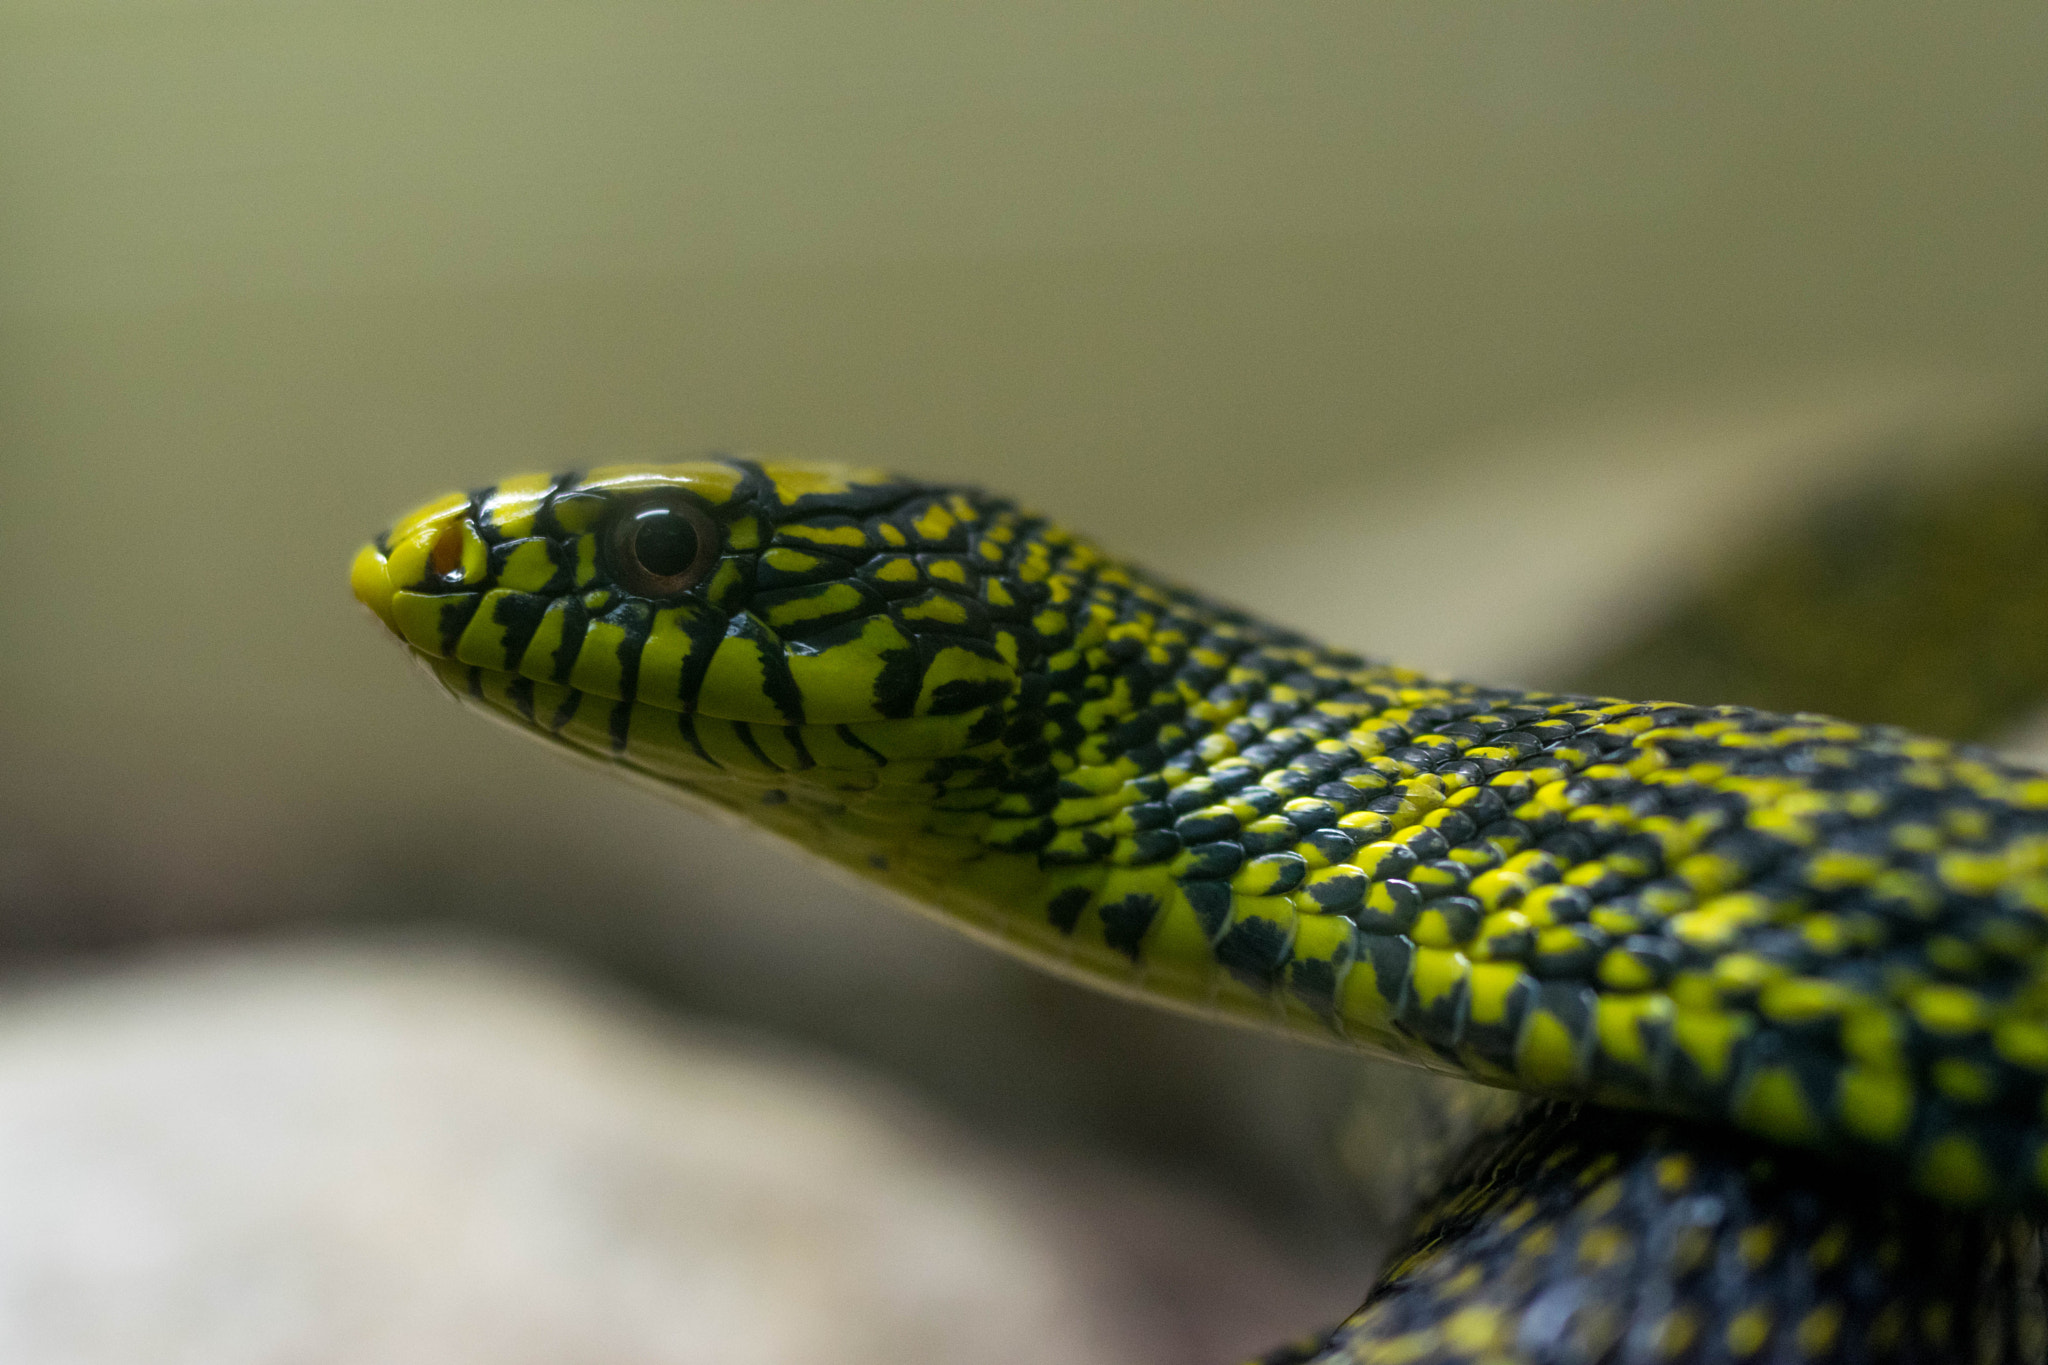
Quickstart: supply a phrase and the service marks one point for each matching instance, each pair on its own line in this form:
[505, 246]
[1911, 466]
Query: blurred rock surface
[413, 1151]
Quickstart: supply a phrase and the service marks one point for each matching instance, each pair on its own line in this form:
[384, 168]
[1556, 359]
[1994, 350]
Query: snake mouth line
[584, 719]
[697, 747]
[771, 659]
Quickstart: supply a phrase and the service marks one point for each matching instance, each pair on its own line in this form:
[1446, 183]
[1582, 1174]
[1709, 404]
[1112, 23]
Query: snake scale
[1780, 981]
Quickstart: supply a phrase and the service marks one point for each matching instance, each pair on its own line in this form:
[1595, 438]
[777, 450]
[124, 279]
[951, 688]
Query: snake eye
[660, 549]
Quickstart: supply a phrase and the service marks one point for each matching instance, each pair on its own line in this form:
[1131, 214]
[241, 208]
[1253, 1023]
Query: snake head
[812, 607]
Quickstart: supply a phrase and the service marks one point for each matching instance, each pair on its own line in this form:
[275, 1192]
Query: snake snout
[369, 578]
[428, 561]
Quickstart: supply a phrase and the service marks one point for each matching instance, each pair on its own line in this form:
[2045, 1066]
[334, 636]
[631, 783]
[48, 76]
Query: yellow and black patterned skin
[1585, 1236]
[1828, 935]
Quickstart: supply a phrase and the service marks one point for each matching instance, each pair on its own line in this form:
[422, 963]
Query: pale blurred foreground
[433, 1153]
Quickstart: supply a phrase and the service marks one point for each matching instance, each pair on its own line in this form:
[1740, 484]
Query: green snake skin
[1828, 936]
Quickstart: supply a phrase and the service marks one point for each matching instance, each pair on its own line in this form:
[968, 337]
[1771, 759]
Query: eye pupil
[664, 542]
[662, 548]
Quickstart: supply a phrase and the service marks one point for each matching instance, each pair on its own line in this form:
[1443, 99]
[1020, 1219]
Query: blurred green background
[1450, 329]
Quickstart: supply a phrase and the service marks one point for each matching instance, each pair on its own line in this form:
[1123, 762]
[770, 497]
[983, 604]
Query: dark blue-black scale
[1585, 1236]
[455, 617]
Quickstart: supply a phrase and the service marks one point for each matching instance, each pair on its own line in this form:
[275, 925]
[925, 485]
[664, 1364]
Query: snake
[1775, 984]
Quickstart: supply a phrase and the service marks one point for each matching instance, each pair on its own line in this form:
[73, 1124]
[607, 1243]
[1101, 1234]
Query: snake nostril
[445, 555]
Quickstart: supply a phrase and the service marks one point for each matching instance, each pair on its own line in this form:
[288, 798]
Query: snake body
[1825, 936]
[1581, 1236]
